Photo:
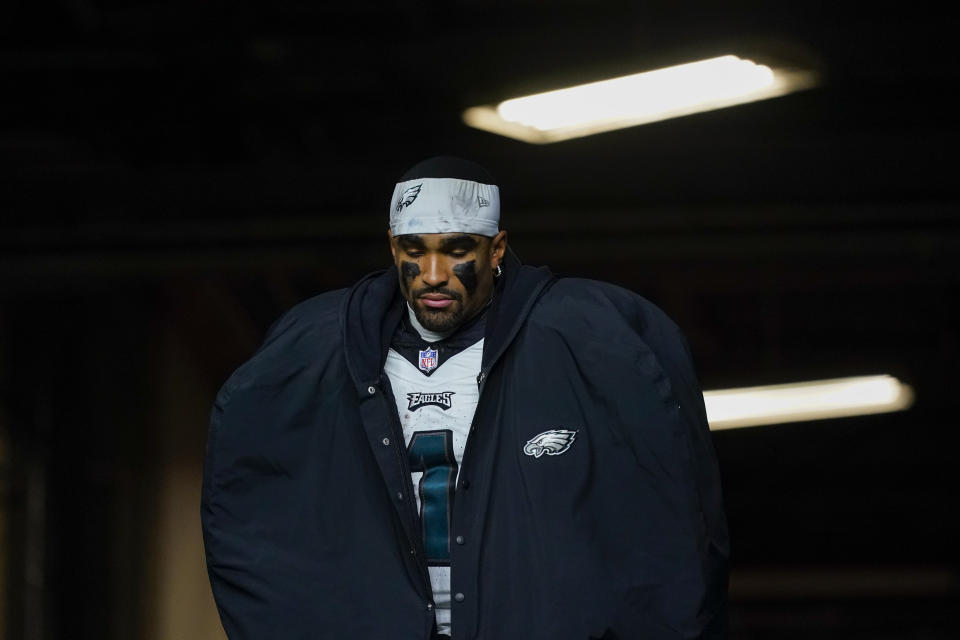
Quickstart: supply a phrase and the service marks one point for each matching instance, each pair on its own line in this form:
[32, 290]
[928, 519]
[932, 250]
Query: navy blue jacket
[309, 521]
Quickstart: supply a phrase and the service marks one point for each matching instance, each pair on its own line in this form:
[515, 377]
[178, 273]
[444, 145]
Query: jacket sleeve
[676, 562]
[251, 496]
[679, 587]
[666, 341]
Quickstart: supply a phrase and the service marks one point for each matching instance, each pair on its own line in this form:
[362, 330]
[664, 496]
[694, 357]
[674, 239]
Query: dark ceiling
[170, 111]
[253, 149]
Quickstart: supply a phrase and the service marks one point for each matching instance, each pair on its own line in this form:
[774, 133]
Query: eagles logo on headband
[407, 197]
[445, 195]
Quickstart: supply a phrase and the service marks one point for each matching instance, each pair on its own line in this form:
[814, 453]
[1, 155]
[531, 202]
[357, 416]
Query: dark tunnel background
[176, 175]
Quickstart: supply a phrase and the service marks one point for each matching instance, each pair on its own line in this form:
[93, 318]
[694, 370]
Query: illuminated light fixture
[816, 400]
[637, 99]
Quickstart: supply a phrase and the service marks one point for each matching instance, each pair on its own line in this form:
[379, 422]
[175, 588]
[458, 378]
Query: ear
[393, 249]
[498, 246]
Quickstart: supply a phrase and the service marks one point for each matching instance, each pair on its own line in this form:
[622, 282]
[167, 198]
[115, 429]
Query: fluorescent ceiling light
[817, 400]
[636, 99]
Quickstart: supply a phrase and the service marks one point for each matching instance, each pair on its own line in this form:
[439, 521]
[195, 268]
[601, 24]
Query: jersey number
[432, 453]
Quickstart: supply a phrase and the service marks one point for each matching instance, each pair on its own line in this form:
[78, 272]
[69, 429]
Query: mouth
[436, 300]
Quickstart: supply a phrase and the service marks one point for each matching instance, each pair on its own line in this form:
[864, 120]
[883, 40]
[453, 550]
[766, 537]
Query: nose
[434, 275]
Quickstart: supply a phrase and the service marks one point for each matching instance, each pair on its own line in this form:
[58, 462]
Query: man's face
[446, 277]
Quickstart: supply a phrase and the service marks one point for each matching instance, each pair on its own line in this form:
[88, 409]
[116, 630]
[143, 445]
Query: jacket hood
[371, 311]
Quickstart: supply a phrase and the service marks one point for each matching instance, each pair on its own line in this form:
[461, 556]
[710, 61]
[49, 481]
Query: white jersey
[436, 399]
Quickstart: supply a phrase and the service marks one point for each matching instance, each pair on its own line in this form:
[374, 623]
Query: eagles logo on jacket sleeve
[588, 503]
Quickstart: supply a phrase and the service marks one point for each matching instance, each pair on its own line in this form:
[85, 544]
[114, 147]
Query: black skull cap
[448, 167]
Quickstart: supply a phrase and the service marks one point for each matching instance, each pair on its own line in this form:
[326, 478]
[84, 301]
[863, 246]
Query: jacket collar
[371, 312]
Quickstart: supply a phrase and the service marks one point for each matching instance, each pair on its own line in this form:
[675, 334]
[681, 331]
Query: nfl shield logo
[428, 359]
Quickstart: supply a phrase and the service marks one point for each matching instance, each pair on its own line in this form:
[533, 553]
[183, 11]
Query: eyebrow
[459, 242]
[411, 241]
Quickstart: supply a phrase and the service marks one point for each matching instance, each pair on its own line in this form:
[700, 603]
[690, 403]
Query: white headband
[445, 205]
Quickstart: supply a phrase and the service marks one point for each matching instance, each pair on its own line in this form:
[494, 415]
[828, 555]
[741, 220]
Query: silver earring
[497, 272]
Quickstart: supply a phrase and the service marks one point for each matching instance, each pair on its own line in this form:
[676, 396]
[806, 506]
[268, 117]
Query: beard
[438, 320]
